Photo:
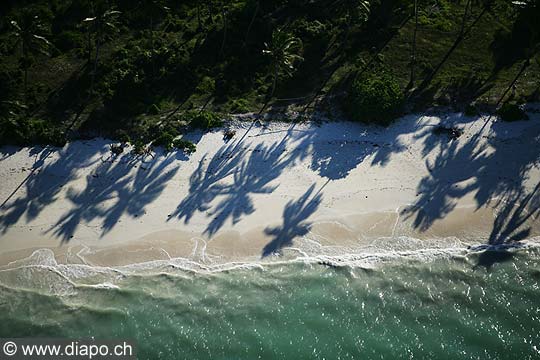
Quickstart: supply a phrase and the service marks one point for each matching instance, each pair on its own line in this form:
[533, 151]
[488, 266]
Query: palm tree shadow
[44, 183]
[488, 169]
[490, 257]
[334, 159]
[511, 225]
[7, 152]
[252, 172]
[495, 173]
[294, 224]
[509, 222]
[110, 192]
[249, 179]
[204, 182]
[448, 180]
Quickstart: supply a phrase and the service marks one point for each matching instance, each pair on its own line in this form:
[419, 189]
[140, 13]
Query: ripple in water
[470, 306]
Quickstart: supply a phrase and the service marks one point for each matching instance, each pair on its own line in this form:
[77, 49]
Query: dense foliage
[96, 67]
[204, 120]
[512, 112]
[376, 98]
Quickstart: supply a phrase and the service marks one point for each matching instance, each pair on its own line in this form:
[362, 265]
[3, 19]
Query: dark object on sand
[229, 134]
[116, 149]
[452, 132]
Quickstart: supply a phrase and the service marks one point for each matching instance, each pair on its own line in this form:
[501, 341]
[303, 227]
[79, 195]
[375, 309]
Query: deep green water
[441, 308]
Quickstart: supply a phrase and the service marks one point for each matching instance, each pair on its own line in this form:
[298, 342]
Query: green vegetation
[237, 106]
[284, 51]
[204, 120]
[187, 146]
[166, 140]
[470, 110]
[96, 67]
[511, 112]
[376, 98]
[24, 131]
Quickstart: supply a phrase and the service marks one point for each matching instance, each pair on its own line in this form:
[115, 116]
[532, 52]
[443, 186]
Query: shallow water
[443, 307]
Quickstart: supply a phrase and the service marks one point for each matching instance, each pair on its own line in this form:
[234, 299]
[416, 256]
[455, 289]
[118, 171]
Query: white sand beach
[313, 188]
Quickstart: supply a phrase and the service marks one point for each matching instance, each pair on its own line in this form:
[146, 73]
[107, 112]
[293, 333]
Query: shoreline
[50, 260]
[335, 184]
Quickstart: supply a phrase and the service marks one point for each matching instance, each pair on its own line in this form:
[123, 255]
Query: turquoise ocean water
[441, 308]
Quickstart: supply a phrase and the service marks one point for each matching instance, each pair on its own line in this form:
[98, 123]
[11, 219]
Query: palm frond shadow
[112, 191]
[493, 174]
[294, 225]
[44, 183]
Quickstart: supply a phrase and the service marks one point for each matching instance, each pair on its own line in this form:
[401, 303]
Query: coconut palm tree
[359, 10]
[103, 24]
[26, 30]
[154, 9]
[356, 12]
[285, 52]
[463, 33]
[224, 13]
[257, 6]
[413, 48]
[528, 14]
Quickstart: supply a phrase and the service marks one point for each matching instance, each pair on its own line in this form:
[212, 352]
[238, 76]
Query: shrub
[187, 146]
[206, 86]
[239, 106]
[68, 40]
[470, 110]
[374, 99]
[125, 93]
[139, 147]
[55, 137]
[204, 119]
[24, 131]
[512, 112]
[165, 139]
[153, 109]
[122, 136]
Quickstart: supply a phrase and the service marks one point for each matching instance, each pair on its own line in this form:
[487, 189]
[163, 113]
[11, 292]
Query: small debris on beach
[116, 149]
[452, 132]
[229, 134]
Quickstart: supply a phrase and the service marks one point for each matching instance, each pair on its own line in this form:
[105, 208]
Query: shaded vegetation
[187, 146]
[512, 112]
[205, 120]
[376, 99]
[94, 67]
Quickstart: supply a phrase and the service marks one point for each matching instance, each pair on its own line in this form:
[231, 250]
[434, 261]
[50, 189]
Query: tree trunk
[210, 9]
[24, 49]
[341, 48]
[96, 59]
[521, 71]
[224, 14]
[25, 82]
[199, 27]
[89, 39]
[274, 83]
[251, 22]
[462, 35]
[413, 50]
[152, 46]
